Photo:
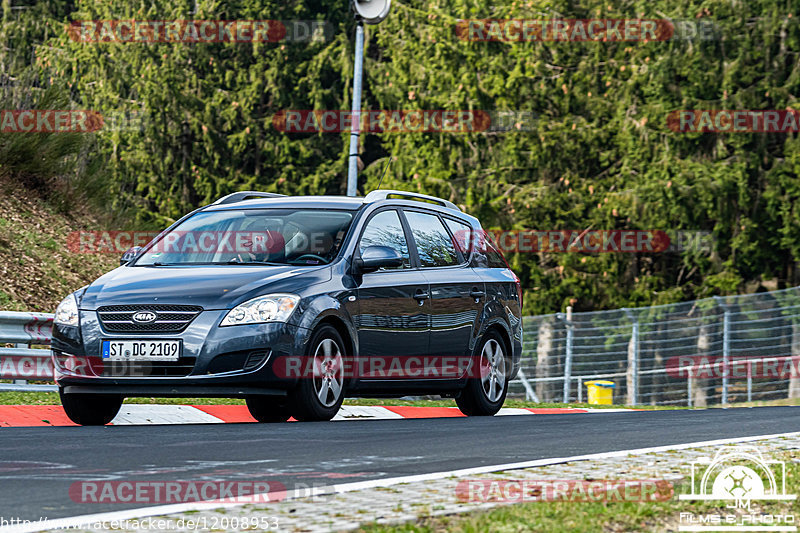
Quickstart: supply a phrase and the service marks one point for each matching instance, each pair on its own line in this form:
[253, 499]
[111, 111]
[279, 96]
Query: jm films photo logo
[737, 476]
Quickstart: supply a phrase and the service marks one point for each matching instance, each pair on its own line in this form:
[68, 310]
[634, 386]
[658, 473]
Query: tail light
[519, 290]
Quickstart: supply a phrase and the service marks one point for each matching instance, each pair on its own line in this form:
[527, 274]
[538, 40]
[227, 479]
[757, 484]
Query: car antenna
[386, 166]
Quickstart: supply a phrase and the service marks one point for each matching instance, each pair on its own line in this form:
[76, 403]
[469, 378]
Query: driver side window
[385, 229]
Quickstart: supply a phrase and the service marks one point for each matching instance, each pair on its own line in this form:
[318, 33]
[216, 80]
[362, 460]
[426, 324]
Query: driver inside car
[263, 242]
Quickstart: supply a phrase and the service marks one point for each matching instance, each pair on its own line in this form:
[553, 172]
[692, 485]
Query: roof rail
[241, 195]
[382, 194]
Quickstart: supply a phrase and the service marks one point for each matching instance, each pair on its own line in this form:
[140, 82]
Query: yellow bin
[601, 392]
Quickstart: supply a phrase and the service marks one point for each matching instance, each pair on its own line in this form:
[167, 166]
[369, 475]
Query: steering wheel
[240, 258]
[309, 256]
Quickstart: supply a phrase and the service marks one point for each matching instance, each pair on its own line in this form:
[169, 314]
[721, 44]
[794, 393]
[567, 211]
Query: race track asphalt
[39, 465]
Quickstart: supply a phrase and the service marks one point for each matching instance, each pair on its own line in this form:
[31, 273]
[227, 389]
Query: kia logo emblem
[144, 317]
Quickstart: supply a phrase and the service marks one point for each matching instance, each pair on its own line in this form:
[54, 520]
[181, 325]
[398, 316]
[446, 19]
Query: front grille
[142, 369]
[169, 318]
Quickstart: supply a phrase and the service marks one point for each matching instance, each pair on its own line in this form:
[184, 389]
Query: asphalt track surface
[38, 465]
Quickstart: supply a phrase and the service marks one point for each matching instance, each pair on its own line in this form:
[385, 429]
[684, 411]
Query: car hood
[212, 287]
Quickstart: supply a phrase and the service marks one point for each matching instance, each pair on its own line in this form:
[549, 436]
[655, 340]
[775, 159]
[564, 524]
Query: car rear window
[462, 235]
[487, 254]
[434, 245]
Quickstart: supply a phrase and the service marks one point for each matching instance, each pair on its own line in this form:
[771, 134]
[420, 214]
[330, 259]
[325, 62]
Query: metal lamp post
[371, 12]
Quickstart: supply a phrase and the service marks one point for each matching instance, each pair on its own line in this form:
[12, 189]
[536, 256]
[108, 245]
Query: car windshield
[253, 237]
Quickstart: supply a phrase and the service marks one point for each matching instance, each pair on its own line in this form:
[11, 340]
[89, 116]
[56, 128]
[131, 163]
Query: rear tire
[485, 393]
[319, 396]
[90, 409]
[267, 409]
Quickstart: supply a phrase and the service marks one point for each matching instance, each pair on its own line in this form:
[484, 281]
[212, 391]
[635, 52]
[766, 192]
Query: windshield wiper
[235, 261]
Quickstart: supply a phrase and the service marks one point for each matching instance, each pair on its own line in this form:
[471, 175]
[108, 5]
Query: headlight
[269, 308]
[67, 312]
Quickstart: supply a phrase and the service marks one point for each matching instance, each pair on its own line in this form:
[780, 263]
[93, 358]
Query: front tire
[485, 393]
[267, 409]
[90, 409]
[319, 396]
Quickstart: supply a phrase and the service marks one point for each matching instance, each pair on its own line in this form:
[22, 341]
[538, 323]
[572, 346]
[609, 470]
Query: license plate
[130, 350]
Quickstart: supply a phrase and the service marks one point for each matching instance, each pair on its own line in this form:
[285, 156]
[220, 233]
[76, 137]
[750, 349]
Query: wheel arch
[504, 333]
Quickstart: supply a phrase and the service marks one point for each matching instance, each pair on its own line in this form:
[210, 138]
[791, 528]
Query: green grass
[594, 517]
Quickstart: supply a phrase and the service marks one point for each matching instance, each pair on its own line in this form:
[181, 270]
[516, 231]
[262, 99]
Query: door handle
[419, 296]
[475, 293]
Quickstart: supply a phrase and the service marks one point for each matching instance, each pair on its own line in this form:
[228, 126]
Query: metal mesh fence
[703, 352]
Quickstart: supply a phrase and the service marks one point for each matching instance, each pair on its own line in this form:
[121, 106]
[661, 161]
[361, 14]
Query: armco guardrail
[740, 348]
[22, 362]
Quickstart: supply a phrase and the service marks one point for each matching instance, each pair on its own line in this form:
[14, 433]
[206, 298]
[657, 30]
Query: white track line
[130, 514]
[365, 412]
[136, 414]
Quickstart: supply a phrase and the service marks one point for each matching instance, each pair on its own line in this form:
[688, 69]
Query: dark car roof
[352, 203]
[293, 202]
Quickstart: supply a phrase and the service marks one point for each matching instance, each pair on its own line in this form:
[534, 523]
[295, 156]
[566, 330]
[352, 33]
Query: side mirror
[375, 257]
[129, 255]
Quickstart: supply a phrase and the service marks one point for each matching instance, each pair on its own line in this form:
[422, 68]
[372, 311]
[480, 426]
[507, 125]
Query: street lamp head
[372, 11]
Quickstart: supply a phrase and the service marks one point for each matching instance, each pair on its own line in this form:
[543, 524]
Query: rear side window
[434, 245]
[385, 229]
[462, 234]
[486, 253]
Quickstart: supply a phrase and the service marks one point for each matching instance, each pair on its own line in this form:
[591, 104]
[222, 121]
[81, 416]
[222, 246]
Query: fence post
[794, 375]
[700, 392]
[568, 355]
[689, 387]
[633, 360]
[726, 346]
[749, 381]
[21, 381]
[545, 362]
[529, 394]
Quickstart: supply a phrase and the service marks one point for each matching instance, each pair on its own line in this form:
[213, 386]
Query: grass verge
[600, 517]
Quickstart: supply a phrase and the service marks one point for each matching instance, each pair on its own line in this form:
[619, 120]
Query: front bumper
[232, 361]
